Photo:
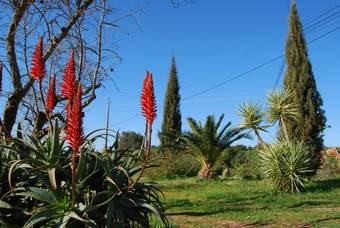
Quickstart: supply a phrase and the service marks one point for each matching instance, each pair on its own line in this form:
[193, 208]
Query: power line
[322, 14]
[254, 68]
[280, 73]
[311, 41]
[240, 75]
[233, 78]
[322, 22]
[311, 28]
[307, 24]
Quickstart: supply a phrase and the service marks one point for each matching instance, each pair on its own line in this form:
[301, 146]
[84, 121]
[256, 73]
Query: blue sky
[213, 42]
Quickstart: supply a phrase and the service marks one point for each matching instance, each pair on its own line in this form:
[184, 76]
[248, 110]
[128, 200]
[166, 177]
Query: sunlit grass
[200, 203]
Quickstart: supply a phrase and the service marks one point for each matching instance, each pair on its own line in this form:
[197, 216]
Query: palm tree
[281, 109]
[252, 118]
[207, 143]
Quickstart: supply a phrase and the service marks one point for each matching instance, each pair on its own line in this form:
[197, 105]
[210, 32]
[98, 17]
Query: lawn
[192, 202]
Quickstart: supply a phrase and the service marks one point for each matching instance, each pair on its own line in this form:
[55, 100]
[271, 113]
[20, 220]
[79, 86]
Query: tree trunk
[11, 111]
[206, 172]
[226, 172]
[282, 123]
[262, 143]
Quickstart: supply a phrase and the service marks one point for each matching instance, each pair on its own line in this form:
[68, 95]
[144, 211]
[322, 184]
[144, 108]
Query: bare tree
[86, 26]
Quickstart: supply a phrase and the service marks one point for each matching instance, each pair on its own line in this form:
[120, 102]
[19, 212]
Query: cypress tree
[172, 119]
[299, 78]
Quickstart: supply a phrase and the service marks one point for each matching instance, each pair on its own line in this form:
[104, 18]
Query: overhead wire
[310, 27]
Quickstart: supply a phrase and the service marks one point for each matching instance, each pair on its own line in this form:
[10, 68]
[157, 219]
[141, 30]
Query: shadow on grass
[191, 213]
[324, 185]
[321, 220]
[210, 212]
[308, 203]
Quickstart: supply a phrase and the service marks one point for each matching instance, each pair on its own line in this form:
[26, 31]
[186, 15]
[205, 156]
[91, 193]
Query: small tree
[281, 109]
[172, 118]
[252, 118]
[300, 79]
[285, 162]
[206, 142]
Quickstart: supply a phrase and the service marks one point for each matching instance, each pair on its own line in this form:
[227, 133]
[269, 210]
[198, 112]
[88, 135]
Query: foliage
[225, 163]
[286, 163]
[40, 184]
[247, 165]
[281, 109]
[170, 165]
[300, 79]
[252, 118]
[130, 140]
[172, 118]
[330, 166]
[206, 142]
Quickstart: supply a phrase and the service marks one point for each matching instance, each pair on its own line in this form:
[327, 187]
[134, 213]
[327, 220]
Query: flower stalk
[38, 72]
[74, 132]
[149, 109]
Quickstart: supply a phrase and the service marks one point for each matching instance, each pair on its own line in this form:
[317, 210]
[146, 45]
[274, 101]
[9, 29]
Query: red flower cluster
[38, 63]
[51, 99]
[68, 85]
[74, 115]
[148, 100]
[71, 89]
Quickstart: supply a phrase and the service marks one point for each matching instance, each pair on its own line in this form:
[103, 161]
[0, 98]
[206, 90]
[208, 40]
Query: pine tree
[172, 119]
[300, 80]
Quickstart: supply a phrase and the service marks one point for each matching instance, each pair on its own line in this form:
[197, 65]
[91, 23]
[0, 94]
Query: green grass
[221, 203]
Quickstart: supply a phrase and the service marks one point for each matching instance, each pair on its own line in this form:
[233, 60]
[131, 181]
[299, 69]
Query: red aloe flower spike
[69, 105]
[148, 100]
[38, 63]
[75, 133]
[0, 78]
[51, 99]
[67, 86]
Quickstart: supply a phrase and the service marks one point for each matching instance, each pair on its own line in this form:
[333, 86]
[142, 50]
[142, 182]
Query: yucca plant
[281, 109]
[287, 164]
[206, 142]
[252, 118]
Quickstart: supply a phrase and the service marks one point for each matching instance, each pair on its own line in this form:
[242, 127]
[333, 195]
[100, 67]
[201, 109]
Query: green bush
[247, 165]
[287, 163]
[173, 165]
[330, 167]
[225, 162]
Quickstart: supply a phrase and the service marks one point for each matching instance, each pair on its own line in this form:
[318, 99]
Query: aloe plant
[104, 193]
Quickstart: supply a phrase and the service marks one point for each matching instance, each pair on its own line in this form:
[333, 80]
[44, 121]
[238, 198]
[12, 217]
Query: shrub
[330, 166]
[247, 165]
[173, 165]
[225, 162]
[287, 163]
